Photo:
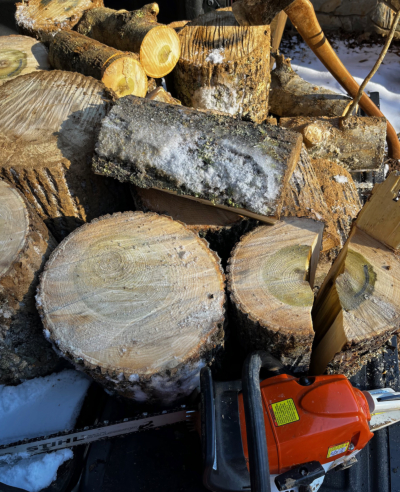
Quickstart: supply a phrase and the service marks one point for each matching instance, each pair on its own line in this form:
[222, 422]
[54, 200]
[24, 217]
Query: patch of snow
[219, 97]
[340, 179]
[216, 56]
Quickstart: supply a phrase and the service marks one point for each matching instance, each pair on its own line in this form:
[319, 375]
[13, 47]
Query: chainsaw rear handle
[254, 416]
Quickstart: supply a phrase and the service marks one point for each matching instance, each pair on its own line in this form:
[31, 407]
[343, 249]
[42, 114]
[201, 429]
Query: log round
[138, 301]
[47, 135]
[25, 245]
[224, 66]
[270, 278]
[20, 55]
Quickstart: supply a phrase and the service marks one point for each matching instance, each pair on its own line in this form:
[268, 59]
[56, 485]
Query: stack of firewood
[170, 206]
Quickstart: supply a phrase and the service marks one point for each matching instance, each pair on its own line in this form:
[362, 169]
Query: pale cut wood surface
[25, 244]
[47, 134]
[20, 55]
[358, 307]
[224, 66]
[139, 296]
[270, 278]
[160, 94]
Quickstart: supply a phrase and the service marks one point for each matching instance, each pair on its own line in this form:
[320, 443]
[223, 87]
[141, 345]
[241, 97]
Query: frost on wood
[213, 157]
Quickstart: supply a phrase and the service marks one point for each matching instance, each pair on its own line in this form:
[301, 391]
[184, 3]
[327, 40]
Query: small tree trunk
[47, 135]
[277, 27]
[159, 94]
[270, 279]
[224, 66]
[290, 95]
[157, 45]
[25, 245]
[357, 144]
[138, 301]
[121, 72]
[20, 55]
[39, 19]
[216, 158]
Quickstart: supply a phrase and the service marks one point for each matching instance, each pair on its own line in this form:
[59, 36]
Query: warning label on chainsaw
[284, 412]
[339, 449]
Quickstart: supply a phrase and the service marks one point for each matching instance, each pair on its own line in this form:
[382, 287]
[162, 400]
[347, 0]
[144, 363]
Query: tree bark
[159, 94]
[47, 136]
[357, 144]
[119, 71]
[224, 66]
[20, 55]
[258, 12]
[39, 19]
[270, 279]
[290, 95]
[25, 245]
[230, 163]
[157, 45]
[137, 300]
[383, 17]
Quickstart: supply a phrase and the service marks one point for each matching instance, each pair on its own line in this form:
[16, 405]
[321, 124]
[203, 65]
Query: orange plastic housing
[320, 423]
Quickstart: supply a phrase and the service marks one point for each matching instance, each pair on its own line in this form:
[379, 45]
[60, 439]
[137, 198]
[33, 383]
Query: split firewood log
[270, 279]
[358, 144]
[220, 228]
[160, 94]
[40, 18]
[358, 306]
[20, 55]
[136, 300]
[290, 95]
[25, 245]
[224, 66]
[119, 71]
[157, 45]
[47, 135]
[219, 159]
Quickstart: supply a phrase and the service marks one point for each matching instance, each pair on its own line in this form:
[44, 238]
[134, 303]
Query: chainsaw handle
[254, 416]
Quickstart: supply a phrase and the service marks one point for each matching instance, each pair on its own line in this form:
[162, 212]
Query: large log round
[137, 300]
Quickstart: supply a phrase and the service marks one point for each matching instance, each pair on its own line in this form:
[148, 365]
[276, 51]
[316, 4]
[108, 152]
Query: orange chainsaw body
[322, 421]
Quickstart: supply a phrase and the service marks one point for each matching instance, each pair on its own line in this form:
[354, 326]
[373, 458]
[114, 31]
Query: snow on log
[157, 45]
[224, 66]
[47, 135]
[358, 144]
[209, 157]
[270, 279]
[119, 71]
[25, 245]
[137, 300]
[20, 55]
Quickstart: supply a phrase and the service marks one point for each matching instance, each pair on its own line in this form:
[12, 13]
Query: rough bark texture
[140, 306]
[272, 299]
[258, 12]
[224, 66]
[383, 16]
[290, 95]
[25, 245]
[206, 156]
[20, 55]
[160, 94]
[357, 144]
[157, 45]
[119, 71]
[47, 134]
[40, 18]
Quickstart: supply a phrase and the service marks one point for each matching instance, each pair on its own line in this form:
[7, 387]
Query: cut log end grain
[271, 275]
[20, 55]
[140, 305]
[125, 75]
[25, 244]
[160, 51]
[46, 151]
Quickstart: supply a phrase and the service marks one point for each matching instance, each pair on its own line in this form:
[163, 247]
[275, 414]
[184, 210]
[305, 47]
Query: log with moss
[218, 159]
[157, 45]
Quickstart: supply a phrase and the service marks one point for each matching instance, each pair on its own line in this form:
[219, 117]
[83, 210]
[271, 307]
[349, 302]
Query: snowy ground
[359, 61]
[35, 408]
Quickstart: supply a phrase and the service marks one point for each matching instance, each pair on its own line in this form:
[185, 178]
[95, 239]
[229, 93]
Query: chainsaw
[284, 433]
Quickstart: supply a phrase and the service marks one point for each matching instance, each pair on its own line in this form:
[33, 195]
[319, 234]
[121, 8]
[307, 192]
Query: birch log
[137, 300]
[209, 157]
[47, 135]
[20, 55]
[270, 279]
[25, 245]
[224, 66]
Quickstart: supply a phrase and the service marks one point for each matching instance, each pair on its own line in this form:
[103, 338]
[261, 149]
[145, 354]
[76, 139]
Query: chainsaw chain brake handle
[302, 15]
